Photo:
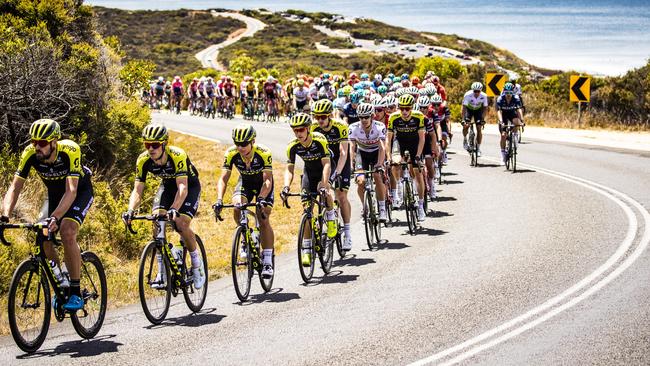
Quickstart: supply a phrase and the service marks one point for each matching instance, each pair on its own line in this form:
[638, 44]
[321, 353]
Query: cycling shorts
[342, 183]
[368, 159]
[506, 118]
[252, 192]
[251, 94]
[79, 208]
[167, 192]
[301, 105]
[427, 146]
[410, 145]
[476, 115]
[270, 95]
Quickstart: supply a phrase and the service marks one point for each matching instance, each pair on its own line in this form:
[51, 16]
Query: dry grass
[122, 269]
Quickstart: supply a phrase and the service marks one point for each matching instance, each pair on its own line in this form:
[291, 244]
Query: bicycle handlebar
[27, 226]
[243, 206]
[310, 195]
[146, 218]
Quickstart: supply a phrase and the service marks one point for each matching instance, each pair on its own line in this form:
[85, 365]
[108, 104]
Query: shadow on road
[335, 277]
[353, 261]
[276, 295]
[445, 199]
[453, 181]
[447, 174]
[203, 317]
[388, 245]
[434, 213]
[485, 165]
[79, 348]
[525, 171]
[430, 232]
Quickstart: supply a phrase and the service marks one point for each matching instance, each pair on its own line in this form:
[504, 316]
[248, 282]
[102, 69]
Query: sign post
[579, 91]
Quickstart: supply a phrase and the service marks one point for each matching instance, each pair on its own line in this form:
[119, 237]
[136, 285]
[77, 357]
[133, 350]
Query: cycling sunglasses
[364, 117]
[40, 143]
[379, 110]
[405, 108]
[321, 117]
[155, 145]
[300, 129]
[242, 144]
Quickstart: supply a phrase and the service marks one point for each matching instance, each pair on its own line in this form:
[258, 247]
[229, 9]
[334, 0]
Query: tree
[242, 65]
[136, 75]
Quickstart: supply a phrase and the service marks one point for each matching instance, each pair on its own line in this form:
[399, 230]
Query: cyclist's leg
[361, 184]
[342, 195]
[479, 128]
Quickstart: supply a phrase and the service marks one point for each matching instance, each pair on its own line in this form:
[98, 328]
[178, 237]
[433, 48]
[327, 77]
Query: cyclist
[508, 110]
[300, 96]
[270, 94]
[193, 93]
[369, 137]
[350, 109]
[339, 103]
[178, 194]
[254, 163]
[69, 195]
[177, 92]
[475, 104]
[439, 88]
[159, 88]
[408, 128]
[210, 92]
[379, 111]
[444, 127]
[168, 94]
[313, 150]
[228, 91]
[430, 143]
[336, 133]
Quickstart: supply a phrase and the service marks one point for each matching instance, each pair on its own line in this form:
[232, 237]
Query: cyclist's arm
[267, 183]
[327, 171]
[499, 115]
[389, 142]
[382, 154]
[353, 154]
[343, 157]
[181, 193]
[136, 195]
[68, 198]
[288, 175]
[11, 197]
[421, 134]
[463, 112]
[520, 115]
[222, 183]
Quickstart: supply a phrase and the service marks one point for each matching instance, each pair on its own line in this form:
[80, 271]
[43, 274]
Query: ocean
[601, 37]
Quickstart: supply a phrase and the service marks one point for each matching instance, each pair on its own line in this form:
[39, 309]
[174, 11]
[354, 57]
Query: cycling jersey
[311, 155]
[269, 90]
[250, 87]
[251, 172]
[301, 94]
[337, 133]
[209, 89]
[68, 163]
[177, 87]
[350, 113]
[339, 103]
[194, 87]
[407, 131]
[470, 101]
[228, 88]
[368, 141]
[508, 109]
[178, 165]
[441, 91]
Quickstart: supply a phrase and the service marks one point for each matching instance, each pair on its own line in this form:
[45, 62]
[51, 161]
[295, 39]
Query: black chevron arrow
[576, 88]
[493, 84]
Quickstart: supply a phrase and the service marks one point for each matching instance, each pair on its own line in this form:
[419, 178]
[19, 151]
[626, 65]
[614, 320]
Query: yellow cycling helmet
[243, 133]
[155, 132]
[300, 120]
[406, 100]
[45, 129]
[347, 90]
[322, 107]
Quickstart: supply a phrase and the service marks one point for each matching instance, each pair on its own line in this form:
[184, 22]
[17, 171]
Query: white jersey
[339, 103]
[368, 142]
[301, 94]
[474, 103]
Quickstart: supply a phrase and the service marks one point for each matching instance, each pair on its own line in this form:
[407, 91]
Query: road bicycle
[245, 253]
[316, 226]
[410, 202]
[472, 148]
[29, 293]
[260, 109]
[512, 142]
[371, 221]
[166, 270]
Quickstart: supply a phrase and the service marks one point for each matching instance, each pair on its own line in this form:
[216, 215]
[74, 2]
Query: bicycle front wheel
[267, 283]
[154, 283]
[326, 255]
[376, 223]
[29, 306]
[195, 298]
[409, 207]
[339, 241]
[307, 267]
[368, 220]
[88, 321]
[242, 266]
[514, 158]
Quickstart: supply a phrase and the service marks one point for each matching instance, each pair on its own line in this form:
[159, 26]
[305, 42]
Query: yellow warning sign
[579, 88]
[494, 83]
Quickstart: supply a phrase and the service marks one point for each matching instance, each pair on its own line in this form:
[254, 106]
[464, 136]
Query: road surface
[547, 266]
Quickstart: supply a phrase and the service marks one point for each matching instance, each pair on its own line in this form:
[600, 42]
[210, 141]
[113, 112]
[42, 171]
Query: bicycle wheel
[306, 272]
[154, 295]
[267, 283]
[195, 298]
[88, 321]
[376, 223]
[427, 191]
[514, 155]
[368, 220]
[409, 207]
[326, 255]
[508, 153]
[440, 171]
[339, 241]
[242, 268]
[29, 306]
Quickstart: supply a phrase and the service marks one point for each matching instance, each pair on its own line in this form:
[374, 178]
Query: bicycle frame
[244, 223]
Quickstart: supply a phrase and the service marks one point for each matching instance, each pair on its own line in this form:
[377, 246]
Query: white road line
[625, 245]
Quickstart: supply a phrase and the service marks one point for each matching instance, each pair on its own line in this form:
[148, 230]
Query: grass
[120, 262]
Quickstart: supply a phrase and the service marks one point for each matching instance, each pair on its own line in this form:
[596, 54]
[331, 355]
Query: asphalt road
[547, 266]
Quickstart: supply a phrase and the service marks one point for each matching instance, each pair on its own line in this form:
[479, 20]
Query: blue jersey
[503, 105]
[350, 113]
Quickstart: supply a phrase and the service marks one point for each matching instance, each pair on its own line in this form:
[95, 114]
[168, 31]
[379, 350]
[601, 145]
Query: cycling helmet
[356, 97]
[390, 76]
[405, 76]
[435, 79]
[400, 91]
[382, 89]
[374, 97]
[300, 82]
[388, 82]
[509, 87]
[340, 93]
[155, 132]
[477, 86]
[396, 79]
[300, 120]
[322, 107]
[45, 129]
[365, 76]
[358, 86]
[243, 133]
[347, 90]
[269, 79]
[406, 100]
[389, 101]
[177, 77]
[379, 102]
[422, 91]
[365, 110]
[415, 80]
[436, 99]
[423, 101]
[353, 76]
[168, 83]
[431, 89]
[326, 76]
[366, 93]
[378, 77]
[413, 90]
[160, 78]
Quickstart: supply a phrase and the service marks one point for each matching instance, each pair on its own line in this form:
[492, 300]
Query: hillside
[172, 46]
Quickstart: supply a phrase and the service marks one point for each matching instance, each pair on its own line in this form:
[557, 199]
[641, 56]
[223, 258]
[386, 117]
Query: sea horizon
[600, 37]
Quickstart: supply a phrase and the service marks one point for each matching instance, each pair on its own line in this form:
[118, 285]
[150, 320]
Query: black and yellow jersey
[335, 134]
[178, 165]
[251, 171]
[406, 129]
[68, 163]
[312, 154]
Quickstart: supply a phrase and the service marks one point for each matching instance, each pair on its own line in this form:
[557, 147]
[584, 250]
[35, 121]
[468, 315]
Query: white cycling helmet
[423, 101]
[477, 86]
[365, 110]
